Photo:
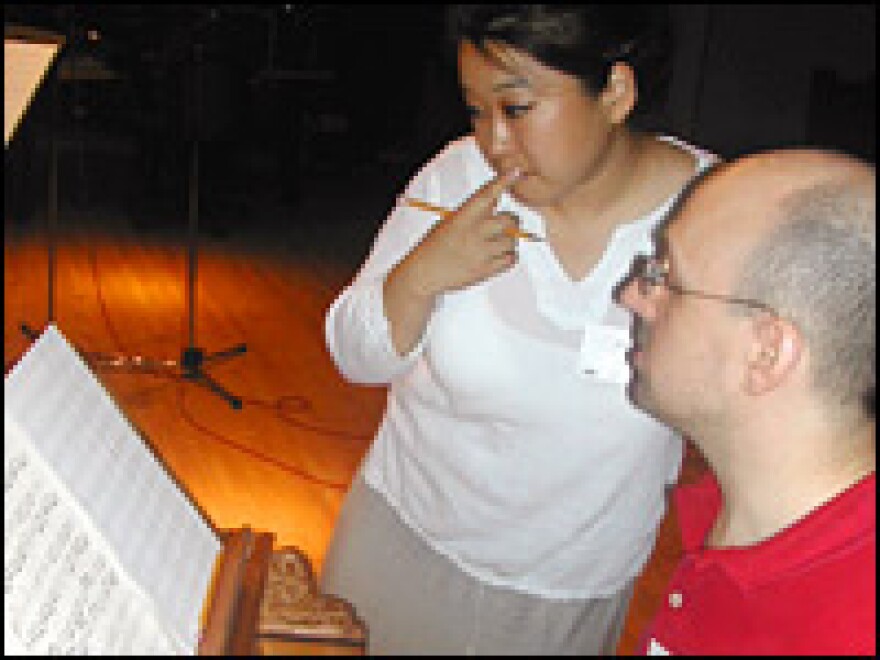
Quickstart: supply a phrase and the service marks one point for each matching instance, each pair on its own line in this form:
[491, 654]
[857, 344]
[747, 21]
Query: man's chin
[640, 396]
[634, 387]
[639, 393]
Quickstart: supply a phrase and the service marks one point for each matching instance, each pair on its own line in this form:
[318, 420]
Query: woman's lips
[523, 171]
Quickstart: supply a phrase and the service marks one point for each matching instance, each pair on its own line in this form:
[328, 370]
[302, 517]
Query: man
[754, 336]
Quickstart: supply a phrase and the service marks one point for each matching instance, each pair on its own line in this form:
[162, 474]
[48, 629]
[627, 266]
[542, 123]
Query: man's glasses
[650, 273]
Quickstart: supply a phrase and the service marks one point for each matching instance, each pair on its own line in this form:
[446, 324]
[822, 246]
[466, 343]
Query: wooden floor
[281, 463]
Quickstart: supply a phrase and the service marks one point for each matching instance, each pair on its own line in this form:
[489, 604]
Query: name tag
[603, 353]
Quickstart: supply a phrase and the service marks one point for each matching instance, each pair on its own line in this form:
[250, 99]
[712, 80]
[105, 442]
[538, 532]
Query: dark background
[346, 101]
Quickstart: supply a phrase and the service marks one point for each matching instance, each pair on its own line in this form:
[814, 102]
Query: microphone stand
[193, 359]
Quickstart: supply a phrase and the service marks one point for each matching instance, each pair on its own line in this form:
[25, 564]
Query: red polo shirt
[810, 589]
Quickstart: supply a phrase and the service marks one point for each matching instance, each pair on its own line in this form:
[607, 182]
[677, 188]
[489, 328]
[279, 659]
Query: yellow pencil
[430, 208]
[445, 213]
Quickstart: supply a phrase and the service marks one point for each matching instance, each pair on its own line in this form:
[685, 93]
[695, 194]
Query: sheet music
[65, 591]
[165, 546]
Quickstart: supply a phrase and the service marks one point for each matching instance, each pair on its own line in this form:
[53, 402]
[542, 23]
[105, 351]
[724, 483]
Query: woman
[512, 492]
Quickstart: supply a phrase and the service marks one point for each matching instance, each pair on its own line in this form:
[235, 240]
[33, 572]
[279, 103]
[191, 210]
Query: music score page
[103, 552]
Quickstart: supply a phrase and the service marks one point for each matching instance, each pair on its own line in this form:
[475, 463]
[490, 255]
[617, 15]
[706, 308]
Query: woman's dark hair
[581, 40]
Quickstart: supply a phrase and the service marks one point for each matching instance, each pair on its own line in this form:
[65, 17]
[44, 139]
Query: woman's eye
[511, 111]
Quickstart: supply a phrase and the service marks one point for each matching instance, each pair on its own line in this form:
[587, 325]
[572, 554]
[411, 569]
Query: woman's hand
[468, 246]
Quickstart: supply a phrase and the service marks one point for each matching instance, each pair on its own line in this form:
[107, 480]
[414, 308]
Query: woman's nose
[500, 139]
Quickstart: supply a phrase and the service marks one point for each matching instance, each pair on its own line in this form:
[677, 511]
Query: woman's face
[525, 114]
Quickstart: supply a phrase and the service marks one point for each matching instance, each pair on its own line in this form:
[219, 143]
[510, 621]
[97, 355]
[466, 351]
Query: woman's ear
[619, 96]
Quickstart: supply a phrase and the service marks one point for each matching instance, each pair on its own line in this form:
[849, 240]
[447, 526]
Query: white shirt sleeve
[357, 332]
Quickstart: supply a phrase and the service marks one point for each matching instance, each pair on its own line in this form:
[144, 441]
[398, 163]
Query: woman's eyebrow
[513, 83]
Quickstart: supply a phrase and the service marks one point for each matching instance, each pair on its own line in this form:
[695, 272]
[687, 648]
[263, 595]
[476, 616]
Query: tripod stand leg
[29, 332]
[201, 378]
[224, 355]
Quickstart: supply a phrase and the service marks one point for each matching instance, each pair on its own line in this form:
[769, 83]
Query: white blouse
[508, 442]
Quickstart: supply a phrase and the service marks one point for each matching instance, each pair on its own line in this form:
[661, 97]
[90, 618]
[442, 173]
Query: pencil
[430, 208]
[445, 213]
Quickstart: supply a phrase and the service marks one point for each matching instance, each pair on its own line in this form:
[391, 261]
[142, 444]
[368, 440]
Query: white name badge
[603, 353]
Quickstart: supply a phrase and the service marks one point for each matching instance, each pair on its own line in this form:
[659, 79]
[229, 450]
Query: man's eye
[514, 111]
[472, 111]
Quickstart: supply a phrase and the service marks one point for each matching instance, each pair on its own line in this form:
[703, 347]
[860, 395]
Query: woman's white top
[508, 442]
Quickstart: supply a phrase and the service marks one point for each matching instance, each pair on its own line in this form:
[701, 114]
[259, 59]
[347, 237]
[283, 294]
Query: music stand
[28, 55]
[193, 358]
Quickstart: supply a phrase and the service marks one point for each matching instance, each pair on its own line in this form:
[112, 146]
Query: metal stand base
[189, 367]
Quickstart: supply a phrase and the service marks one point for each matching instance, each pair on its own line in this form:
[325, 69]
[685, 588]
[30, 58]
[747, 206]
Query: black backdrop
[290, 91]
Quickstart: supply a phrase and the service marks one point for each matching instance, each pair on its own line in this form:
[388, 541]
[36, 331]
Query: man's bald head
[802, 232]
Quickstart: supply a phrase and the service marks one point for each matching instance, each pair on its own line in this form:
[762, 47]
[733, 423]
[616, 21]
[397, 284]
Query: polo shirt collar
[843, 520]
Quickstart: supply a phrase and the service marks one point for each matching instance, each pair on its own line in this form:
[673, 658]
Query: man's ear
[776, 350]
[619, 96]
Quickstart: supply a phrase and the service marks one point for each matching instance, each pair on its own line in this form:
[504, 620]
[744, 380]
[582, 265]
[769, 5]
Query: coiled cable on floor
[280, 407]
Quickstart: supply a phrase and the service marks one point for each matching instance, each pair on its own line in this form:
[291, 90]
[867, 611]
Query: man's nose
[629, 296]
